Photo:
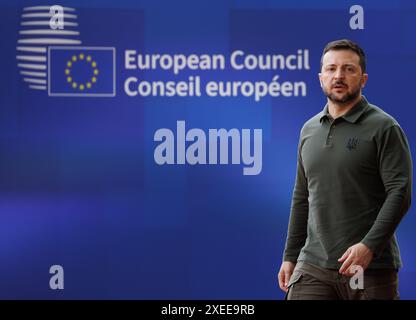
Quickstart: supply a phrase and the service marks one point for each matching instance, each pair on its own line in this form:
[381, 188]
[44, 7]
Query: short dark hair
[346, 44]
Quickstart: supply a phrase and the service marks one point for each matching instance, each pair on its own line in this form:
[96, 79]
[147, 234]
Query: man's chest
[337, 148]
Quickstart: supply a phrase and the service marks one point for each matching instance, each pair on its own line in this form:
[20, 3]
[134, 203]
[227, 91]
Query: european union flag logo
[81, 71]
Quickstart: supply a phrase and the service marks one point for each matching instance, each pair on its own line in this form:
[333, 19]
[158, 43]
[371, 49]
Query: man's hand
[286, 270]
[358, 254]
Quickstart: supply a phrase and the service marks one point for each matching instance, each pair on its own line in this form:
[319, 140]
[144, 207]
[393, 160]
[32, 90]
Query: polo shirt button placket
[330, 134]
[329, 138]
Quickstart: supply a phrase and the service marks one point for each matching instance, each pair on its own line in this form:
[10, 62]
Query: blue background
[79, 186]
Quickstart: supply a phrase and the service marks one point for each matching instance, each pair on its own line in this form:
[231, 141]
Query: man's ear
[364, 80]
[320, 80]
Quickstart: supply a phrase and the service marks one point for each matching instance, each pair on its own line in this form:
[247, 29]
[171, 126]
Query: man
[353, 186]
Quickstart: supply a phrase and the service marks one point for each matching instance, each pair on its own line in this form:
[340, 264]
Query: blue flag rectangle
[81, 71]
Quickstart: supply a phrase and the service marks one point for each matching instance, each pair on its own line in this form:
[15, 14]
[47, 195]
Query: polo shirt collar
[352, 115]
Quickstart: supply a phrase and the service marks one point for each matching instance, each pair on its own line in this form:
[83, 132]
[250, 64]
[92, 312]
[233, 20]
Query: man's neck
[337, 110]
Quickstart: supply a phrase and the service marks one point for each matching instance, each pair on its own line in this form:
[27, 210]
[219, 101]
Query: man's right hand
[286, 270]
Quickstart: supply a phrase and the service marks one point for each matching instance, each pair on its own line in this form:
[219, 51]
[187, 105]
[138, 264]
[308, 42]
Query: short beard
[349, 97]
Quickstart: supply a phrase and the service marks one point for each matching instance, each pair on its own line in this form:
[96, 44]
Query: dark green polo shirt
[353, 184]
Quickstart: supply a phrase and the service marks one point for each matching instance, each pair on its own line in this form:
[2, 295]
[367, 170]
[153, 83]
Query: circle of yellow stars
[70, 63]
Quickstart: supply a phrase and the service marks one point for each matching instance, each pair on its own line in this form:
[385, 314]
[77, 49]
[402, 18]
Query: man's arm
[395, 165]
[297, 229]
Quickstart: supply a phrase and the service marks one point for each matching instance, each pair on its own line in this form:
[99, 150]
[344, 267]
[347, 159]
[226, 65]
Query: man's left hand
[358, 254]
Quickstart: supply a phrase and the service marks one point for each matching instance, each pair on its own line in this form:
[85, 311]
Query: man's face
[341, 76]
